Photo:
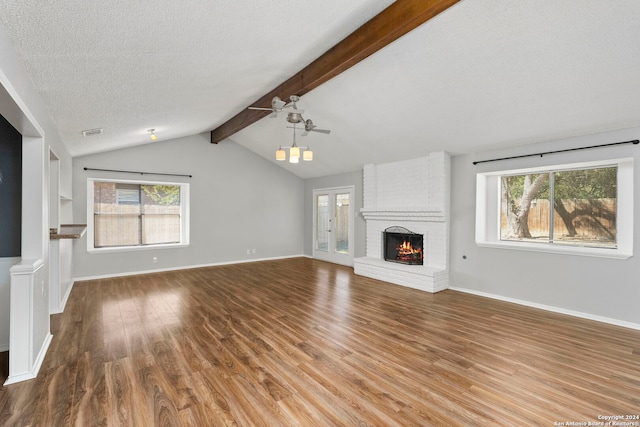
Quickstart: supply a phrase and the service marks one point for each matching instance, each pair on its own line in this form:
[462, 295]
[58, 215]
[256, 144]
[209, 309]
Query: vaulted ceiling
[481, 75]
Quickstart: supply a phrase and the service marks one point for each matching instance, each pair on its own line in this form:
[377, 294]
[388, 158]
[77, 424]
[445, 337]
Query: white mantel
[403, 215]
[413, 194]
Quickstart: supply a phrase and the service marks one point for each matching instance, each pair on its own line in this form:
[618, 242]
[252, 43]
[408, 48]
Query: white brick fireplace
[413, 194]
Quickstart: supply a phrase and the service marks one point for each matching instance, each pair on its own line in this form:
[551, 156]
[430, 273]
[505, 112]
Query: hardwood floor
[301, 342]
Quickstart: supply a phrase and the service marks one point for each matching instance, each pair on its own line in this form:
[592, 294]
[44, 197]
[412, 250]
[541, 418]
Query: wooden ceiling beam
[395, 21]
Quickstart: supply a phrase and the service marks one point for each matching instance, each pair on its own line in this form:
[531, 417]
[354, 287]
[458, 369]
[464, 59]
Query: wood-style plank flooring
[301, 342]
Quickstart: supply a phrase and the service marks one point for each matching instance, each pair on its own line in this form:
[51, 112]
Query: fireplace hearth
[403, 246]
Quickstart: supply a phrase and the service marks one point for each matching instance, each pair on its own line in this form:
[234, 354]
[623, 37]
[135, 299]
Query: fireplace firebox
[403, 246]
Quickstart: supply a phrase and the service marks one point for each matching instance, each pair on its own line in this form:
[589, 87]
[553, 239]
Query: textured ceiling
[483, 74]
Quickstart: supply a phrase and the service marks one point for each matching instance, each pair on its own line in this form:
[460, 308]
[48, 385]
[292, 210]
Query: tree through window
[572, 207]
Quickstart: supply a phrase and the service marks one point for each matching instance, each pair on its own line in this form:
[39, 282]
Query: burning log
[407, 253]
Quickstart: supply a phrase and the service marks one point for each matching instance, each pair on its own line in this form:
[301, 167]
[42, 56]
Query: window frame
[488, 211]
[184, 217]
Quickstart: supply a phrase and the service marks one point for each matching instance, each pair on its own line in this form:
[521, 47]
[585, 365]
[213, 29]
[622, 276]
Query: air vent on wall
[91, 132]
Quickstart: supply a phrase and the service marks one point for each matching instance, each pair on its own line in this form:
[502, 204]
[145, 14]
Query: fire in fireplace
[403, 246]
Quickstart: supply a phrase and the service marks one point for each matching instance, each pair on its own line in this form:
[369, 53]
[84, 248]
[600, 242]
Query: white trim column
[26, 281]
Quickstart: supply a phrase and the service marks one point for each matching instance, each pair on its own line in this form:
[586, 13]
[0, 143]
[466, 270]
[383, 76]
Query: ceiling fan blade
[309, 126]
[274, 113]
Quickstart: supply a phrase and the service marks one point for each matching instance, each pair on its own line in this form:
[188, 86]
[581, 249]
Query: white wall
[595, 287]
[239, 201]
[5, 292]
[23, 107]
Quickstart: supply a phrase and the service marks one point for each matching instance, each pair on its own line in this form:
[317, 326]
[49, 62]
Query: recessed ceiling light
[91, 132]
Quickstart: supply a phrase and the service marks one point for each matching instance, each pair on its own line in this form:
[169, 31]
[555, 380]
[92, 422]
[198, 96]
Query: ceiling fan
[278, 105]
[294, 115]
[310, 127]
[308, 124]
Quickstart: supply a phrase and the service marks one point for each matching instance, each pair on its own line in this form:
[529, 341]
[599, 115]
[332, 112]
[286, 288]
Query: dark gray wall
[10, 189]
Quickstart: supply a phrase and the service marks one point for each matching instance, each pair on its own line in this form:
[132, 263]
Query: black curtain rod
[635, 142]
[141, 173]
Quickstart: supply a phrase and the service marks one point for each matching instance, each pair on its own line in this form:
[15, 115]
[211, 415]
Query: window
[581, 209]
[573, 207]
[130, 215]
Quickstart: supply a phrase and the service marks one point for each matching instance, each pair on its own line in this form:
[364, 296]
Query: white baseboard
[186, 267]
[24, 376]
[551, 308]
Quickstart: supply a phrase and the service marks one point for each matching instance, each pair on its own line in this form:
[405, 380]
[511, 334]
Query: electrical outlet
[253, 250]
[248, 251]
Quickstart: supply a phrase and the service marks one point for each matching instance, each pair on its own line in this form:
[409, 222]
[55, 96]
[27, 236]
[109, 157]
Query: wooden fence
[597, 223]
[122, 225]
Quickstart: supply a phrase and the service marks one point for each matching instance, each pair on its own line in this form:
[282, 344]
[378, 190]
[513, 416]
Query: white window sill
[136, 248]
[558, 249]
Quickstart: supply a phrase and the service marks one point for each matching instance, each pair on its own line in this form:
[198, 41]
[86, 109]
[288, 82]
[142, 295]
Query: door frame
[332, 191]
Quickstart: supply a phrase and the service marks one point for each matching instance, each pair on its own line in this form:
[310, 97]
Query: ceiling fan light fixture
[294, 151]
[295, 117]
[307, 155]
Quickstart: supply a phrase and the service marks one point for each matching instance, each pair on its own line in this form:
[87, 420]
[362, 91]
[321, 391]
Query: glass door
[333, 225]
